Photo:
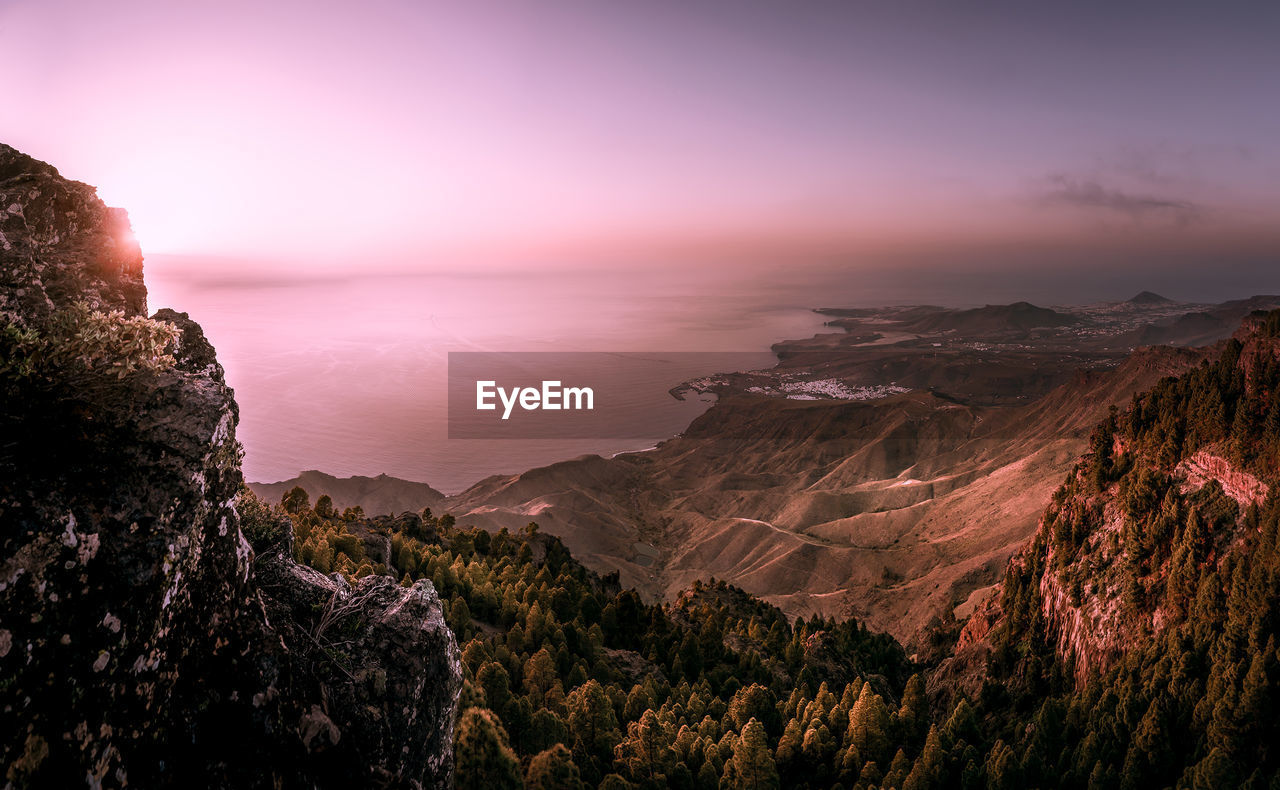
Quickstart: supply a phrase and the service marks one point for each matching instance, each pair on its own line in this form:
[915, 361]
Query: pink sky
[451, 134]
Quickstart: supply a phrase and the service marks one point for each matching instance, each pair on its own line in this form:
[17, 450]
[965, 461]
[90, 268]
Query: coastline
[506, 457]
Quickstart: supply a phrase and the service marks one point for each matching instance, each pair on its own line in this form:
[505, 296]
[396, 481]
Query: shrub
[82, 339]
[263, 526]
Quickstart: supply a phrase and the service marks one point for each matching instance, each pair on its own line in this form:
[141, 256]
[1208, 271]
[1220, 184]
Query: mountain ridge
[756, 488]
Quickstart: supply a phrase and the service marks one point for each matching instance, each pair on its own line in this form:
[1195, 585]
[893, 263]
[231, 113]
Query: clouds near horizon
[1065, 190]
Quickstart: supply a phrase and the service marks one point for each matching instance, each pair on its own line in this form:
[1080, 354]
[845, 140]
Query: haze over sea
[346, 373]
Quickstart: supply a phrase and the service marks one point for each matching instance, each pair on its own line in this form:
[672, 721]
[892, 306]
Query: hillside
[894, 510]
[1150, 593]
[1131, 643]
[1147, 298]
[824, 491]
[868, 474]
[991, 319]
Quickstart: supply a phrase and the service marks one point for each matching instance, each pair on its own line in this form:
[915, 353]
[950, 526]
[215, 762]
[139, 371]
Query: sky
[665, 132]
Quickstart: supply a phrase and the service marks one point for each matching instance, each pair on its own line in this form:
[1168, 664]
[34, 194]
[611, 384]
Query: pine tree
[913, 714]
[296, 501]
[819, 749]
[483, 759]
[539, 675]
[927, 772]
[871, 775]
[868, 726]
[708, 777]
[459, 618]
[753, 766]
[1215, 770]
[646, 751]
[324, 507]
[963, 724]
[553, 769]
[755, 702]
[592, 723]
[898, 770]
[788, 756]
[1003, 771]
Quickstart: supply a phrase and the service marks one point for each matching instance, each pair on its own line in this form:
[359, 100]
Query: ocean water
[347, 374]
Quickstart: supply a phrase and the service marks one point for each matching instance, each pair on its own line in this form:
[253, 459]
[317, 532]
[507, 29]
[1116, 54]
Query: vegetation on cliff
[1140, 626]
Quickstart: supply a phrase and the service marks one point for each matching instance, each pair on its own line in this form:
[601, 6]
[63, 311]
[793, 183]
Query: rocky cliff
[61, 244]
[142, 640]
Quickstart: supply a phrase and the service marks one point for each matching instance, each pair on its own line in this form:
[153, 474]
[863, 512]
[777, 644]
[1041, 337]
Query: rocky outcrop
[61, 244]
[964, 672]
[1091, 630]
[141, 641]
[386, 659]
[1203, 467]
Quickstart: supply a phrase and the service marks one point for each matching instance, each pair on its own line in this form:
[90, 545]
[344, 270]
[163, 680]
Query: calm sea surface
[348, 374]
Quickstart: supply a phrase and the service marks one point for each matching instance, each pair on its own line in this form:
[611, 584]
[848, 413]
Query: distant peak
[1147, 297]
[1006, 308]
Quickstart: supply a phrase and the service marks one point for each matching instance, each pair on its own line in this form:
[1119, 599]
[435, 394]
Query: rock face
[386, 659]
[1094, 629]
[61, 244]
[141, 641]
[1091, 630]
[1203, 468]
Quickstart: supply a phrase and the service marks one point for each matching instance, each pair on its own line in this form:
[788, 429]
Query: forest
[571, 681]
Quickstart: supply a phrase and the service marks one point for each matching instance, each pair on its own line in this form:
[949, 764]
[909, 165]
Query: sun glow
[174, 198]
[463, 134]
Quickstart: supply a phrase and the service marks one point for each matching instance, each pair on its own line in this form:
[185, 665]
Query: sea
[344, 370]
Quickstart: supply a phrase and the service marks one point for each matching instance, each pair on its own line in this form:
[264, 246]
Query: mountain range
[899, 510]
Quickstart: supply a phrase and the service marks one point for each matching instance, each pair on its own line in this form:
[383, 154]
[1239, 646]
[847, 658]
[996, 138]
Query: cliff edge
[142, 640]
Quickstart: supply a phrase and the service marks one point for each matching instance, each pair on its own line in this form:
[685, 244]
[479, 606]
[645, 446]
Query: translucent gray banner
[584, 395]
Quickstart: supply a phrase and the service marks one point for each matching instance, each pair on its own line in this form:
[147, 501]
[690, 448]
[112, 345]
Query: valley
[886, 471]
